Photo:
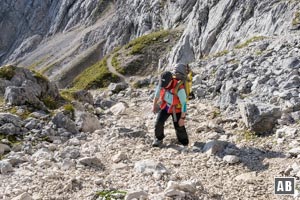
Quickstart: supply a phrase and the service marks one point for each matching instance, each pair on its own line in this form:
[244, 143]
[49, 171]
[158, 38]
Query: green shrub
[50, 102]
[7, 72]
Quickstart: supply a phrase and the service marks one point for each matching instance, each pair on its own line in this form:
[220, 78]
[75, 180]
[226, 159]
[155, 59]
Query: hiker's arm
[182, 98]
[155, 99]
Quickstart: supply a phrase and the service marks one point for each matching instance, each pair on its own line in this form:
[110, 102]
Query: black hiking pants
[181, 133]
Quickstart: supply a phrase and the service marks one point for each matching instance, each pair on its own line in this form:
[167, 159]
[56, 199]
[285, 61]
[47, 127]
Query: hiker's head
[182, 68]
[165, 79]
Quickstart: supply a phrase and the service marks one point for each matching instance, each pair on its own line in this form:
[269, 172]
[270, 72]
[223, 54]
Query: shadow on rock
[252, 157]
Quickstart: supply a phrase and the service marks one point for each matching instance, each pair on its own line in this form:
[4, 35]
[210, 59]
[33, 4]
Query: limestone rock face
[24, 87]
[56, 35]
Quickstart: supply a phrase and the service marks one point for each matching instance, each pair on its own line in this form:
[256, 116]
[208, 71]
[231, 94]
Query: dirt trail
[114, 71]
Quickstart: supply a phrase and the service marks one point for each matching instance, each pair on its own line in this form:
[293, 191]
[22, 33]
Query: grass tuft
[111, 194]
[136, 46]
[251, 40]
[7, 72]
[296, 19]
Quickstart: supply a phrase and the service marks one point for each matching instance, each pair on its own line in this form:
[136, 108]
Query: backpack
[184, 76]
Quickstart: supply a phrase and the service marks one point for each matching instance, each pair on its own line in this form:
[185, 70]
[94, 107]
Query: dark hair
[165, 78]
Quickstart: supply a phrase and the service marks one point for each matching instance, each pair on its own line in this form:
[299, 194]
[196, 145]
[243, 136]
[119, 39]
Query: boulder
[86, 122]
[63, 121]
[83, 96]
[259, 118]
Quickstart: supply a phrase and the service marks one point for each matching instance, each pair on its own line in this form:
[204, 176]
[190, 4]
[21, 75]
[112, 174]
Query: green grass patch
[7, 72]
[24, 115]
[12, 139]
[251, 40]
[50, 102]
[137, 45]
[221, 53]
[115, 63]
[2, 101]
[248, 135]
[96, 76]
[296, 19]
[68, 94]
[111, 194]
[215, 114]
[69, 110]
[39, 76]
[258, 53]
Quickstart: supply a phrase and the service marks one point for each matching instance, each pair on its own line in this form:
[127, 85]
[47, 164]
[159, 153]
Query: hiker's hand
[181, 122]
[155, 108]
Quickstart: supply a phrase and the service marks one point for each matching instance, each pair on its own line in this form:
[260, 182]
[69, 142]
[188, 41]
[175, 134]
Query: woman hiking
[173, 102]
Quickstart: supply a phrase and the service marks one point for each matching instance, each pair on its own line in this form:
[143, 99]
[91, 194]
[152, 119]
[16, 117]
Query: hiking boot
[185, 149]
[157, 143]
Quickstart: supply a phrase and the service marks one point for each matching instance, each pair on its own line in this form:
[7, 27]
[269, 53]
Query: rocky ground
[243, 128]
[222, 161]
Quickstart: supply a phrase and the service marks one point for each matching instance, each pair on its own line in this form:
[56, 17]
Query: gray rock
[86, 122]
[231, 159]
[293, 62]
[84, 96]
[149, 167]
[32, 124]
[16, 158]
[42, 154]
[103, 102]
[118, 108]
[67, 164]
[136, 195]
[5, 167]
[28, 88]
[250, 177]
[214, 147]
[70, 152]
[91, 161]
[63, 121]
[260, 119]
[294, 151]
[4, 148]
[23, 196]
[117, 87]
[119, 157]
[174, 193]
[185, 186]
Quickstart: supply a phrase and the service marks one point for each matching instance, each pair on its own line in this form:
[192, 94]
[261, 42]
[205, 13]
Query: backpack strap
[177, 87]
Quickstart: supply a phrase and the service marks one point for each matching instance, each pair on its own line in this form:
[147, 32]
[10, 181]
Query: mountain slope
[57, 36]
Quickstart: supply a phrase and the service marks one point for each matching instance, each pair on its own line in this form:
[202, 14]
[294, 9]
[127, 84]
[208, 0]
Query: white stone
[24, 196]
[141, 195]
[231, 159]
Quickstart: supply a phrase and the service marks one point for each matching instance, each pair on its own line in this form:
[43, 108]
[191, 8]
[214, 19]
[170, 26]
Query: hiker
[172, 103]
